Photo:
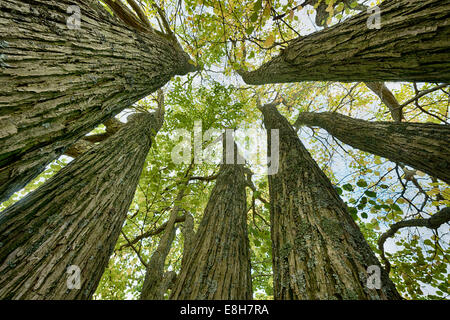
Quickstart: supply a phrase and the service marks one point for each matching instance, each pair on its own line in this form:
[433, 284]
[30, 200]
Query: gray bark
[424, 146]
[388, 98]
[74, 218]
[57, 84]
[413, 44]
[154, 285]
[318, 250]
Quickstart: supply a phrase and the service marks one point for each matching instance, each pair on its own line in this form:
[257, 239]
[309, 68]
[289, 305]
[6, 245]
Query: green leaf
[250, 29]
[254, 17]
[347, 187]
[361, 183]
[371, 194]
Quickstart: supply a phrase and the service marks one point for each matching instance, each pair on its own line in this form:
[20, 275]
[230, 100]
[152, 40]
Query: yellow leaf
[269, 41]
[291, 15]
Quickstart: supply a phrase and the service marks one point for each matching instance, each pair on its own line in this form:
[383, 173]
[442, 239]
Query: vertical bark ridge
[59, 83]
[413, 44]
[218, 264]
[318, 250]
[74, 218]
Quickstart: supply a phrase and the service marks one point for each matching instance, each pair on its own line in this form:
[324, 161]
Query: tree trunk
[74, 218]
[318, 250]
[218, 264]
[423, 146]
[413, 44]
[57, 84]
[154, 285]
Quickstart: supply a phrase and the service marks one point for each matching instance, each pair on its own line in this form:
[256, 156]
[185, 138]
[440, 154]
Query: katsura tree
[318, 250]
[68, 66]
[423, 146]
[71, 223]
[411, 43]
[217, 265]
[143, 239]
[157, 281]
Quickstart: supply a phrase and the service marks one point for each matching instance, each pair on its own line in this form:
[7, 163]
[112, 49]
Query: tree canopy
[227, 39]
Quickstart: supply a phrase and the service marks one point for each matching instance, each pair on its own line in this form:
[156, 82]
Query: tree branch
[388, 98]
[152, 233]
[434, 222]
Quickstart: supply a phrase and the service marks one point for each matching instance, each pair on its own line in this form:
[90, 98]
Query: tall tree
[411, 45]
[156, 280]
[318, 250]
[424, 146]
[60, 80]
[218, 263]
[74, 218]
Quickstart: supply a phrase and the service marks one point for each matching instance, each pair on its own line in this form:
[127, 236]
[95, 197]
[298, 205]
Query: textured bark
[57, 84]
[318, 250]
[74, 218]
[424, 146]
[154, 287]
[218, 264]
[413, 44]
[189, 236]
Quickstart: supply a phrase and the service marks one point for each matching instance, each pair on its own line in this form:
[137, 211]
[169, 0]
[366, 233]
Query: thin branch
[434, 222]
[151, 233]
[423, 93]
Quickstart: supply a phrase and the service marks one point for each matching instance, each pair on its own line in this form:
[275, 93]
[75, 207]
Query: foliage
[223, 36]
